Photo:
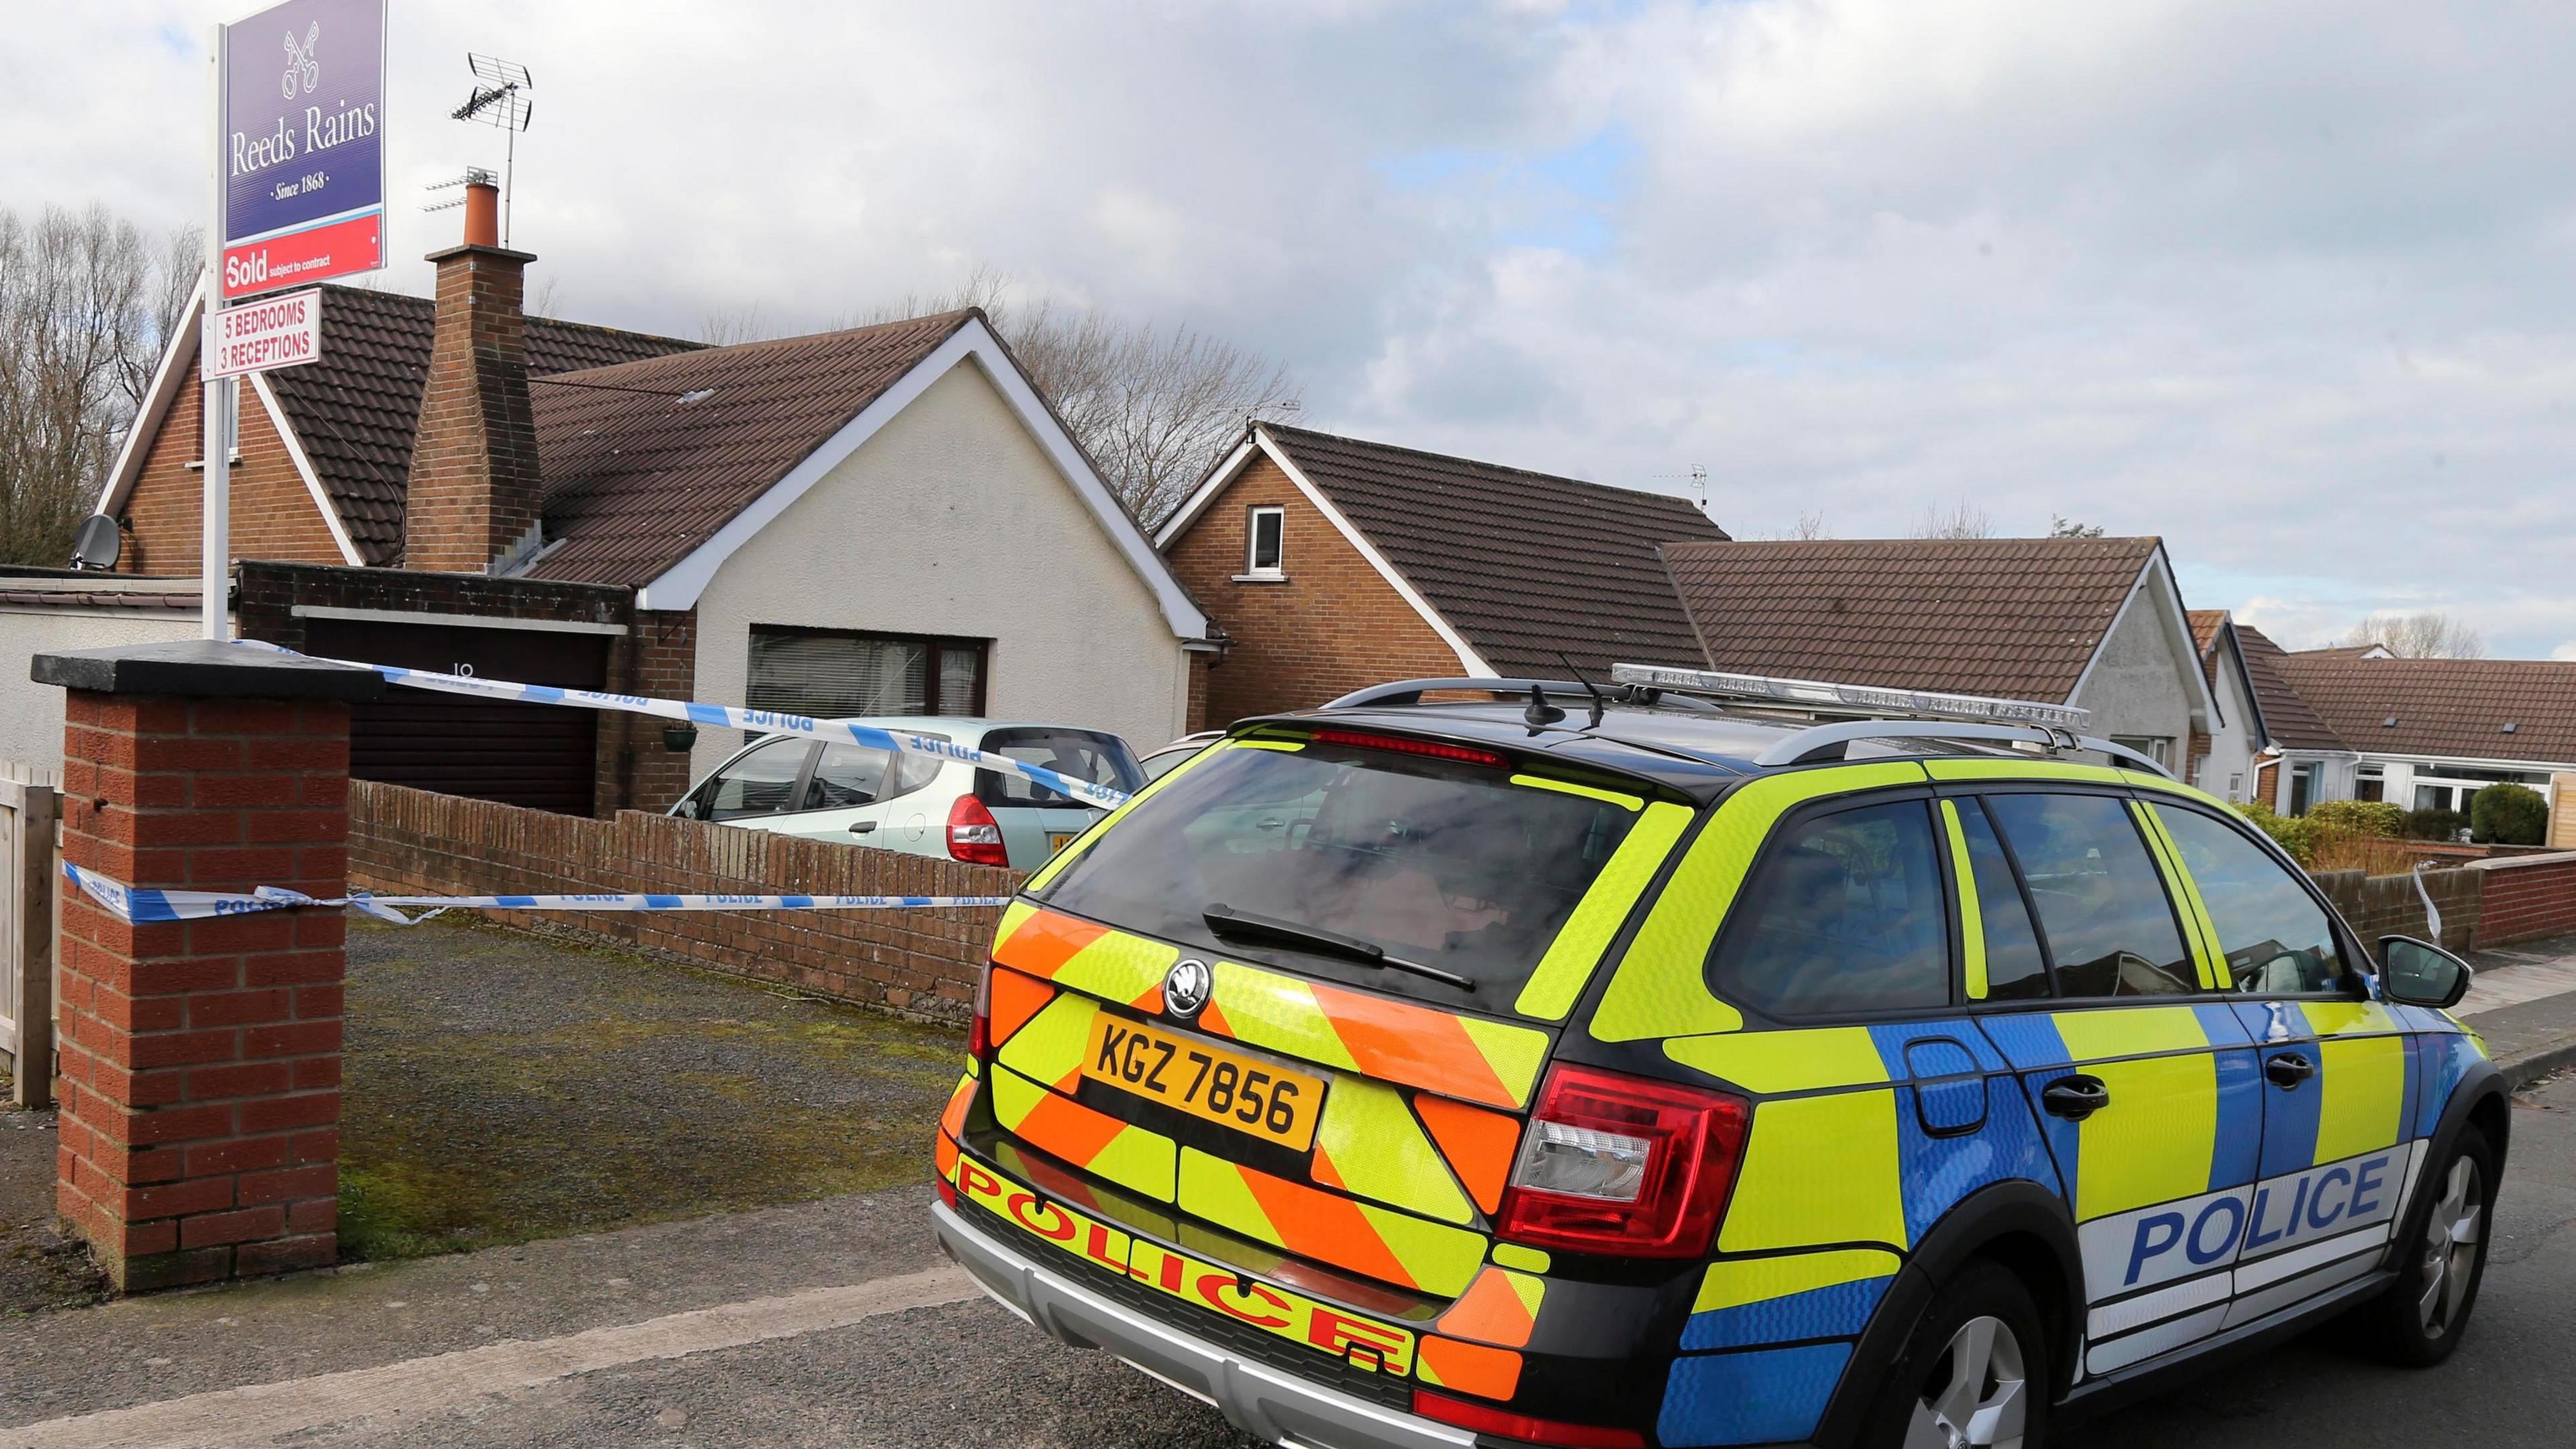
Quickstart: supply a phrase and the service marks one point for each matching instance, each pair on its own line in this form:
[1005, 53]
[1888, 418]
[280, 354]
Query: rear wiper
[1225, 920]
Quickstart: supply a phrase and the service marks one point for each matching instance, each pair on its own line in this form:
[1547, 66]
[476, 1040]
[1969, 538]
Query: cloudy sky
[2291, 284]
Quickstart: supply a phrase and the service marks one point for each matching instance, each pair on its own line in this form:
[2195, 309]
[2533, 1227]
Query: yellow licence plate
[1059, 839]
[1194, 1075]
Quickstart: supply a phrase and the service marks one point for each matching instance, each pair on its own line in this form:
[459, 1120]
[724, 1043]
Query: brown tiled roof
[2449, 707]
[355, 407]
[635, 480]
[2019, 617]
[1523, 565]
[2205, 624]
[2287, 717]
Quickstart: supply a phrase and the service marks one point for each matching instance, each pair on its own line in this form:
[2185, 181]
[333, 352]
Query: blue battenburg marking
[2221, 1024]
[1839, 1311]
[1761, 1397]
[2290, 1118]
[2237, 1155]
[2413, 1091]
[1935, 1173]
[2028, 1040]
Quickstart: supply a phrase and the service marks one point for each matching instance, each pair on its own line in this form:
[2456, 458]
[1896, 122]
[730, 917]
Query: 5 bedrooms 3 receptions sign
[301, 147]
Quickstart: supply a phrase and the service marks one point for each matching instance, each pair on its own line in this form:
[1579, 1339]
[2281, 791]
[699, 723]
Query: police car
[1701, 1060]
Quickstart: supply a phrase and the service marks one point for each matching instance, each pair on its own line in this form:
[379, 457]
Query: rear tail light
[1487, 1420]
[979, 1029]
[1618, 1164]
[974, 835]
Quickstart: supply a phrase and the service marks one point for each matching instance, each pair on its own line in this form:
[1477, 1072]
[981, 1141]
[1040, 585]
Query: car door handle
[2286, 1070]
[862, 827]
[2074, 1098]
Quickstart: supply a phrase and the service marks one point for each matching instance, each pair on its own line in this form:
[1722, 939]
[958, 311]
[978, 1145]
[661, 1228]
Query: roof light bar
[1862, 698]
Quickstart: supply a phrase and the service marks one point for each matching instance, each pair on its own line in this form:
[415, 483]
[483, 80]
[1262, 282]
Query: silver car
[823, 790]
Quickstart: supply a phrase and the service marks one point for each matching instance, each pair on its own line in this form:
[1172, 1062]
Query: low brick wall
[2389, 905]
[919, 962]
[2526, 897]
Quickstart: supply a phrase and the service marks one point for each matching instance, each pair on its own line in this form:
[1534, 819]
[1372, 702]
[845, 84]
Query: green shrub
[2509, 815]
[2359, 817]
[2296, 834]
[2434, 824]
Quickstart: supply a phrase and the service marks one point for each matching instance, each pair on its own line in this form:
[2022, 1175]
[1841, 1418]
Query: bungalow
[884, 520]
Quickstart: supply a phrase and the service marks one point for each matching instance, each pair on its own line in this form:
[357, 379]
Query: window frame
[939, 646]
[1955, 975]
[2358, 963]
[1253, 570]
[796, 784]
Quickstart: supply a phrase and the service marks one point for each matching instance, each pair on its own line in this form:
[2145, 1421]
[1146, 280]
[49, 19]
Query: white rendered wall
[950, 520]
[31, 714]
[2137, 686]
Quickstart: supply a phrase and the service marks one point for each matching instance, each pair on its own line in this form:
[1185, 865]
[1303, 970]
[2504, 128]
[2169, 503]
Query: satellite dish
[98, 545]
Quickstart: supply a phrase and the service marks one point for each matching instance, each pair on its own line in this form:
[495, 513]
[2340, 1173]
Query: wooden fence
[28, 811]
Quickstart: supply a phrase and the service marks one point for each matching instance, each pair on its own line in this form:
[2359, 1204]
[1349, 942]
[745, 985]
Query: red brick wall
[273, 513]
[200, 1060]
[1333, 626]
[660, 660]
[921, 962]
[2526, 898]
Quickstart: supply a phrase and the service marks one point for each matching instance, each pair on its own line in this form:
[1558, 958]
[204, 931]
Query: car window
[758, 783]
[847, 775]
[2277, 938]
[2015, 970]
[2110, 927]
[1164, 762]
[1845, 913]
[1102, 759]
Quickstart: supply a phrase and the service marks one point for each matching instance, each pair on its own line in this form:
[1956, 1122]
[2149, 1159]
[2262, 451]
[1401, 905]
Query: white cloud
[2290, 284]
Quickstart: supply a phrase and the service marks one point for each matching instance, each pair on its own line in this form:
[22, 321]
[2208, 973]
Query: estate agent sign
[300, 119]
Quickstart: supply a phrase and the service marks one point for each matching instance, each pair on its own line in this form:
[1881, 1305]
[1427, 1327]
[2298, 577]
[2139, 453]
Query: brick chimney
[475, 494]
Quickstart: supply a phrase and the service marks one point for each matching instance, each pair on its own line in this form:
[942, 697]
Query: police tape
[725, 716]
[139, 906]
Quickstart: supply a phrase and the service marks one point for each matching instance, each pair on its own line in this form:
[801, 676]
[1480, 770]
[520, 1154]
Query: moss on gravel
[503, 1086]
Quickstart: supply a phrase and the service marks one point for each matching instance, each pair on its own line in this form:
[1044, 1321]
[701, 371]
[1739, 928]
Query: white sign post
[262, 336]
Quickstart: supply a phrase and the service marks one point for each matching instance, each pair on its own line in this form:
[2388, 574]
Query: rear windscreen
[1101, 759]
[1443, 864]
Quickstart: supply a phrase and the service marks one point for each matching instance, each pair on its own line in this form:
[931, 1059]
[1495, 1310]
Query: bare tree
[86, 306]
[1960, 520]
[2061, 526]
[1808, 528]
[2429, 635]
[1155, 408]
[725, 326]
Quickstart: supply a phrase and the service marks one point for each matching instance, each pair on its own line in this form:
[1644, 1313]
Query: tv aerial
[500, 99]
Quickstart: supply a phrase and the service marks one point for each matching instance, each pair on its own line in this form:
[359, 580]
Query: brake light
[1612, 1163]
[1433, 749]
[1487, 1420]
[974, 836]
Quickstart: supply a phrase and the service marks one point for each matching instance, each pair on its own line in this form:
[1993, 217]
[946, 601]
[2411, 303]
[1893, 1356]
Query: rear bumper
[1256, 1398]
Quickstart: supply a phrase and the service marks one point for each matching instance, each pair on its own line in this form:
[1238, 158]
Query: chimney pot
[482, 214]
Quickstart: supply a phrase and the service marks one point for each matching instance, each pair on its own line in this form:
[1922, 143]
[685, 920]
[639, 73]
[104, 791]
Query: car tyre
[1975, 1371]
[2418, 1322]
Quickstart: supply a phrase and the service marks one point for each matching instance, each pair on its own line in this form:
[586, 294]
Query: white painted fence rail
[29, 807]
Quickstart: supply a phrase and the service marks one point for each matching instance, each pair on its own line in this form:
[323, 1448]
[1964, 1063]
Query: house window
[2152, 747]
[1264, 532]
[836, 673]
[2370, 784]
[2303, 786]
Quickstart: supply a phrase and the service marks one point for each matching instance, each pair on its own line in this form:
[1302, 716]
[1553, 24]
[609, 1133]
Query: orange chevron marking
[943, 1156]
[1012, 999]
[1479, 1145]
[952, 1119]
[1044, 942]
[1319, 1225]
[1490, 1311]
[1211, 1018]
[1068, 1129]
[1411, 1044]
[1489, 1373]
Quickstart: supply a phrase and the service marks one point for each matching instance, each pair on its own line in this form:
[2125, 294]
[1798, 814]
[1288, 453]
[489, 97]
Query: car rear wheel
[1975, 1372]
[2419, 1320]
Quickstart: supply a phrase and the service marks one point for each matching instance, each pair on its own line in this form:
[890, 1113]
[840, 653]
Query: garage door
[537, 755]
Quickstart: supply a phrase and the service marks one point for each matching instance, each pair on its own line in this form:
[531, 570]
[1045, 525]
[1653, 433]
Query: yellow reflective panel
[2154, 1142]
[1528, 1260]
[2364, 1085]
[1119, 966]
[1972, 910]
[1567, 967]
[1660, 988]
[1542, 782]
[1212, 1189]
[1818, 1170]
[1268, 1009]
[2347, 1018]
[1014, 916]
[2128, 1031]
[2209, 961]
[1785, 1061]
[1734, 1282]
[1049, 1049]
[2039, 770]
[1369, 1144]
[2147, 781]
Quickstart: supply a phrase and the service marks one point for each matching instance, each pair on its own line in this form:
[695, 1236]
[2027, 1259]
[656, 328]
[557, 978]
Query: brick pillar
[476, 496]
[200, 1060]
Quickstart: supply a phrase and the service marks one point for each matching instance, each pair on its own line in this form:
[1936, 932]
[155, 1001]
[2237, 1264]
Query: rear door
[2143, 1079]
[1036, 821]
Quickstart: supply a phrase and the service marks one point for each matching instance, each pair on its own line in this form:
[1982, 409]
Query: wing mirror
[2421, 975]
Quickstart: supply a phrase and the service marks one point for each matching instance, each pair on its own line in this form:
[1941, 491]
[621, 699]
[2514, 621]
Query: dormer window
[1264, 535]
